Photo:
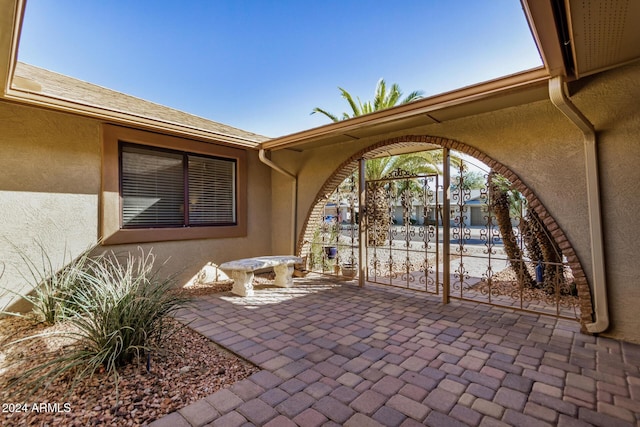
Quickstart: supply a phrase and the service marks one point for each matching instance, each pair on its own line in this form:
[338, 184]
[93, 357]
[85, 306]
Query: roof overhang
[525, 87]
[10, 27]
[26, 92]
[19, 90]
[575, 38]
[541, 17]
[602, 34]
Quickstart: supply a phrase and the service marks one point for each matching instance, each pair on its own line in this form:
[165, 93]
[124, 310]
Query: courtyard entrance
[478, 241]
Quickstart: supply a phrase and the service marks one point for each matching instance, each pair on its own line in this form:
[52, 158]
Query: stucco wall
[48, 189]
[546, 151]
[610, 101]
[50, 183]
[49, 196]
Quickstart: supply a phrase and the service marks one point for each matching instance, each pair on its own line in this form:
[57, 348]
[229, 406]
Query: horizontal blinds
[211, 190]
[152, 188]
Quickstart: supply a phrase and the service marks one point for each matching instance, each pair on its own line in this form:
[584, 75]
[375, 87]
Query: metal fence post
[362, 224]
[446, 230]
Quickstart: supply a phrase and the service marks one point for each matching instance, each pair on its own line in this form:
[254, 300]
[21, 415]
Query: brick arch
[315, 214]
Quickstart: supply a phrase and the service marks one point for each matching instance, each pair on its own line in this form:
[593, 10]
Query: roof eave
[11, 20]
[10, 27]
[122, 118]
[542, 23]
[421, 107]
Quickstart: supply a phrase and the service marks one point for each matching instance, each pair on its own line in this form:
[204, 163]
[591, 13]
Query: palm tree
[548, 252]
[540, 246]
[382, 100]
[501, 204]
[379, 193]
[379, 215]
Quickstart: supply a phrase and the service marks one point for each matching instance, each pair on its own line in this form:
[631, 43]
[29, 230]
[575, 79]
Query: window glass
[154, 189]
[211, 191]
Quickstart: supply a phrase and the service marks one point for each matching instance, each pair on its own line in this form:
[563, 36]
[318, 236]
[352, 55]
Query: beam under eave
[11, 13]
[424, 106]
[543, 27]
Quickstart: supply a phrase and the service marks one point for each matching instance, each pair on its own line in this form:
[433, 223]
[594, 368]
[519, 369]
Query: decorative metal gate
[334, 248]
[500, 252]
[477, 241]
[403, 234]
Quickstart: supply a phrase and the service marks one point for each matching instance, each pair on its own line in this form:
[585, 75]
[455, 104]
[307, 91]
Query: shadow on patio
[332, 353]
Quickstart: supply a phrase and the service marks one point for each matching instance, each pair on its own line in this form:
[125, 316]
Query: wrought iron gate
[478, 241]
[500, 252]
[403, 234]
[334, 248]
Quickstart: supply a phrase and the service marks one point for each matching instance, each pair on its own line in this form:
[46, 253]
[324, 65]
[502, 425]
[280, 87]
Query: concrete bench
[241, 271]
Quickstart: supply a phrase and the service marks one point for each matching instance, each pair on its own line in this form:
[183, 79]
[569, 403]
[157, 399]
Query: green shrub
[122, 306]
[115, 316]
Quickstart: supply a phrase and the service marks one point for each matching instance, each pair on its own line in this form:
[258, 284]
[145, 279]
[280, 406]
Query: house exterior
[567, 135]
[472, 212]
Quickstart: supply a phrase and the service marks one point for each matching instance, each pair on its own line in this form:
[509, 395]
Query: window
[155, 184]
[159, 187]
[211, 191]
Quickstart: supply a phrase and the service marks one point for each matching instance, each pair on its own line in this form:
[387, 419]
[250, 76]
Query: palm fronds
[382, 99]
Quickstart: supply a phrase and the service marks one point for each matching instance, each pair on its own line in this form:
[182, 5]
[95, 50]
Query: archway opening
[483, 240]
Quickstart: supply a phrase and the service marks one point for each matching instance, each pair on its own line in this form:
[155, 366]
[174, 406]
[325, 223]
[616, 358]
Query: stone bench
[241, 271]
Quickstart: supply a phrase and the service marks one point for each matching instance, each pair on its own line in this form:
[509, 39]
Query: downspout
[564, 104]
[294, 212]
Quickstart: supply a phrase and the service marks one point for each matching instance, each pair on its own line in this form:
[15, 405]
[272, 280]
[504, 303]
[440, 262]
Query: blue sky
[264, 65]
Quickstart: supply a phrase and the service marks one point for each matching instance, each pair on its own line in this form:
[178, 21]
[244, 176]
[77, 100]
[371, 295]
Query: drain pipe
[294, 211]
[564, 104]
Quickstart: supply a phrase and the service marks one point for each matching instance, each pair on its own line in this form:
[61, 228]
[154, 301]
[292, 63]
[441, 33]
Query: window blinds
[211, 191]
[156, 183]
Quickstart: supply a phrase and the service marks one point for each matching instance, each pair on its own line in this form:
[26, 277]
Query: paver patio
[332, 353]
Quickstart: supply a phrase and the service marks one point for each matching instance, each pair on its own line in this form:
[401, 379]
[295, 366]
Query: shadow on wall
[46, 228]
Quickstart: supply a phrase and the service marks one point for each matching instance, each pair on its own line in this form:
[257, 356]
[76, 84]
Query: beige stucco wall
[48, 189]
[546, 151]
[611, 102]
[49, 196]
[50, 183]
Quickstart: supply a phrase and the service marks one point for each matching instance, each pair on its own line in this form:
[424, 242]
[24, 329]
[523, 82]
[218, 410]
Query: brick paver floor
[332, 354]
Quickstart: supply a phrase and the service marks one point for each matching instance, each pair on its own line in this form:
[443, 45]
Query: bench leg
[242, 283]
[284, 275]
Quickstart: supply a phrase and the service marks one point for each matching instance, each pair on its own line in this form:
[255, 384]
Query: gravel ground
[191, 367]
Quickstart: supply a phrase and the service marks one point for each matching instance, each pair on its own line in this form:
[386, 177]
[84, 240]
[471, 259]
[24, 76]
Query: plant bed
[101, 347]
[200, 289]
[190, 368]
